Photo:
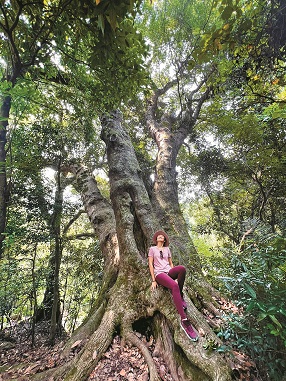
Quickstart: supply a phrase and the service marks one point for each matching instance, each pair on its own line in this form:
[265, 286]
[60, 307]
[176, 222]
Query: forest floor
[121, 362]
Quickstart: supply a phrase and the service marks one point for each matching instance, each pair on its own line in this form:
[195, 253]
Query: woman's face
[160, 238]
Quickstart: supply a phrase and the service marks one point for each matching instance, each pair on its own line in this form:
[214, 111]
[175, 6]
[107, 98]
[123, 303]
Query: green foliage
[88, 47]
[11, 288]
[79, 62]
[245, 33]
[237, 165]
[28, 247]
[82, 269]
[20, 278]
[174, 30]
[45, 140]
[255, 279]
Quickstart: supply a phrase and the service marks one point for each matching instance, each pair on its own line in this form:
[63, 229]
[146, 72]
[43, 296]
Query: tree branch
[68, 225]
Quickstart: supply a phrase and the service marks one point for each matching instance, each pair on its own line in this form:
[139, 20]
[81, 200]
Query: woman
[163, 272]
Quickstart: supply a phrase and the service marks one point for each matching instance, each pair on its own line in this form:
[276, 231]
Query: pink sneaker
[188, 328]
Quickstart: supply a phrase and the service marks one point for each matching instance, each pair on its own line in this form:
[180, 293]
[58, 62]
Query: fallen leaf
[76, 343]
[122, 373]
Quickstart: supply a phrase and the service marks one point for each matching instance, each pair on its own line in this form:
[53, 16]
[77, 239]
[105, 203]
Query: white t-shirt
[161, 265]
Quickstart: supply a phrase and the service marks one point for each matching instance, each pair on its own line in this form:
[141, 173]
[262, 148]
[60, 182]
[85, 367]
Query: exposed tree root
[165, 347]
[81, 366]
[133, 339]
[94, 349]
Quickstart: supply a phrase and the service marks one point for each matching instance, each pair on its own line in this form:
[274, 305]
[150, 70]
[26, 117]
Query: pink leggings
[168, 281]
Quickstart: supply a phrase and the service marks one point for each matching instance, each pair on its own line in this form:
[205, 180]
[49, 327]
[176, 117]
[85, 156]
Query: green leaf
[282, 311]
[250, 290]
[251, 305]
[101, 23]
[262, 316]
[227, 12]
[112, 18]
[273, 318]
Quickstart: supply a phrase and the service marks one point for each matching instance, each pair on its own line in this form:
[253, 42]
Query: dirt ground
[122, 362]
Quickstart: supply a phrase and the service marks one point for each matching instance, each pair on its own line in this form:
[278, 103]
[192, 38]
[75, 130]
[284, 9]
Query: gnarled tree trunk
[127, 299]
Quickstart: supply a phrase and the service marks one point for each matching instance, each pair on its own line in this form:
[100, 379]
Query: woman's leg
[166, 281]
[179, 273]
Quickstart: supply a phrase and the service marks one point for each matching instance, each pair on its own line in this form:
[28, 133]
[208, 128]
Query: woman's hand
[154, 285]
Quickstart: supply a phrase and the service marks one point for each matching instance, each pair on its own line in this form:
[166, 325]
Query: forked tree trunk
[128, 299]
[169, 133]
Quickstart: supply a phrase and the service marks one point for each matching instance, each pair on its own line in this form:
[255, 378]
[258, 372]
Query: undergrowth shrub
[254, 278]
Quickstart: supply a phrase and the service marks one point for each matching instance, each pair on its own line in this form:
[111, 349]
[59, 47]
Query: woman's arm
[170, 262]
[151, 268]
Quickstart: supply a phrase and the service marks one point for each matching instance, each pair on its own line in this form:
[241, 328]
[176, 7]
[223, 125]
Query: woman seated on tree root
[163, 272]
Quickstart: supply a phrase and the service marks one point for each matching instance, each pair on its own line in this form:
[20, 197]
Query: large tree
[125, 299]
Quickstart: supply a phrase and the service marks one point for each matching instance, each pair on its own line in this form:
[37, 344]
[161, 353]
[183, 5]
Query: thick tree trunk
[129, 299]
[124, 175]
[169, 133]
[4, 116]
[102, 218]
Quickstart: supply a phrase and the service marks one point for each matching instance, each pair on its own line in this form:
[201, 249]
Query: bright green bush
[254, 278]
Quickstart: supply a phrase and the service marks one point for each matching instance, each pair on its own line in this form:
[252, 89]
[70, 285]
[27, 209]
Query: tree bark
[169, 133]
[102, 219]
